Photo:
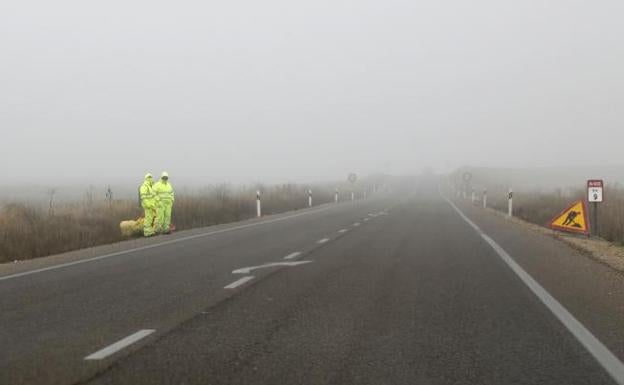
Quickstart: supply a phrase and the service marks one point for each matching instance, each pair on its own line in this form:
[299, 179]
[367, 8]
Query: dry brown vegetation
[31, 231]
[541, 207]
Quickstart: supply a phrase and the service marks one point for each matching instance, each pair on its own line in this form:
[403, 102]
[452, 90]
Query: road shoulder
[590, 289]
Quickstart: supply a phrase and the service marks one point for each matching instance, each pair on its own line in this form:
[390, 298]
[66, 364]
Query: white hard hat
[148, 175]
[164, 174]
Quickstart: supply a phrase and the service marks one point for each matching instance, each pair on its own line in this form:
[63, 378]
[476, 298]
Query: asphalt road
[381, 291]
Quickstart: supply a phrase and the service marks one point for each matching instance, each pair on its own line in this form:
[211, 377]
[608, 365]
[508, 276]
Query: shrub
[31, 231]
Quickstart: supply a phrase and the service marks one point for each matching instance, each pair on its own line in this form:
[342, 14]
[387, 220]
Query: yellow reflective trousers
[166, 197]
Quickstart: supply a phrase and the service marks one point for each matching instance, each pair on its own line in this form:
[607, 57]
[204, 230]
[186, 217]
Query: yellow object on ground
[165, 197]
[131, 228]
[149, 202]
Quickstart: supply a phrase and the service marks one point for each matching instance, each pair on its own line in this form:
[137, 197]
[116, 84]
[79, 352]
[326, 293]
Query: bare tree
[51, 195]
[109, 196]
[89, 198]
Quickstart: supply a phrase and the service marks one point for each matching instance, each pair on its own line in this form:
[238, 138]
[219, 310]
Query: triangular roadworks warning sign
[574, 219]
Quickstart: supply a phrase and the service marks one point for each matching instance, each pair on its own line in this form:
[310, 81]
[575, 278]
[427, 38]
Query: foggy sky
[306, 90]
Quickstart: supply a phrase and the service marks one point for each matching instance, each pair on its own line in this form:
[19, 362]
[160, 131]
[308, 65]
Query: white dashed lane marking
[119, 345]
[293, 255]
[239, 282]
[156, 245]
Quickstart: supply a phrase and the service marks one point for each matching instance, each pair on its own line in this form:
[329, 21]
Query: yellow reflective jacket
[147, 194]
[164, 192]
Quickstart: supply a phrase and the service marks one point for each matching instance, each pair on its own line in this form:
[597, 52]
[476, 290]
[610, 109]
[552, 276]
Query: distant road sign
[467, 177]
[574, 219]
[352, 177]
[595, 189]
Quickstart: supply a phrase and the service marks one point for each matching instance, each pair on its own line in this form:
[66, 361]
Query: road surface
[409, 290]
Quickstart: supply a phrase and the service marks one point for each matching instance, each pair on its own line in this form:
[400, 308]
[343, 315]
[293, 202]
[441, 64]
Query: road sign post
[258, 204]
[595, 196]
[467, 186]
[336, 196]
[510, 204]
[352, 178]
[485, 199]
[309, 198]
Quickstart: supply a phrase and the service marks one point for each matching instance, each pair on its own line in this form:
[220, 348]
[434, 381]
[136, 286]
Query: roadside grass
[540, 207]
[29, 230]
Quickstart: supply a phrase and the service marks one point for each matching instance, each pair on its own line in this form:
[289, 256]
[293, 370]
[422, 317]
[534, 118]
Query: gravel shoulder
[596, 248]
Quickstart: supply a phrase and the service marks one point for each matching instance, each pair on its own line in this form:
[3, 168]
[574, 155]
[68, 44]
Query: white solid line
[293, 255]
[324, 240]
[343, 231]
[148, 247]
[600, 352]
[247, 270]
[117, 346]
[239, 282]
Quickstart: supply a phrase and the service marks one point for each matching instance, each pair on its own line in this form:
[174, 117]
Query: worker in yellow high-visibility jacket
[149, 204]
[165, 196]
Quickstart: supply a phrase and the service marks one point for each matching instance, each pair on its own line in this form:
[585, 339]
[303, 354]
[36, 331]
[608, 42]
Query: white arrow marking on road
[343, 231]
[293, 255]
[117, 346]
[324, 240]
[356, 224]
[156, 245]
[247, 270]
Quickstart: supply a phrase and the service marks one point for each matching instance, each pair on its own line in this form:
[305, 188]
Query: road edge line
[156, 245]
[597, 349]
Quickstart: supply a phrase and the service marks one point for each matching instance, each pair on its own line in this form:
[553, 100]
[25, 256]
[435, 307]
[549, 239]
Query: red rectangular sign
[595, 191]
[594, 183]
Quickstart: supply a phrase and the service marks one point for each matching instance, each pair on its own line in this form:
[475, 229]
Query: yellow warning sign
[573, 219]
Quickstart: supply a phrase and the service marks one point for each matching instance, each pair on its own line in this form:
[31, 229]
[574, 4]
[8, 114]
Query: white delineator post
[473, 197]
[510, 206]
[258, 204]
[336, 196]
[352, 196]
[309, 198]
[485, 199]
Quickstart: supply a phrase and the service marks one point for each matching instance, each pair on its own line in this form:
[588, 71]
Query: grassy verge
[539, 207]
[30, 231]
